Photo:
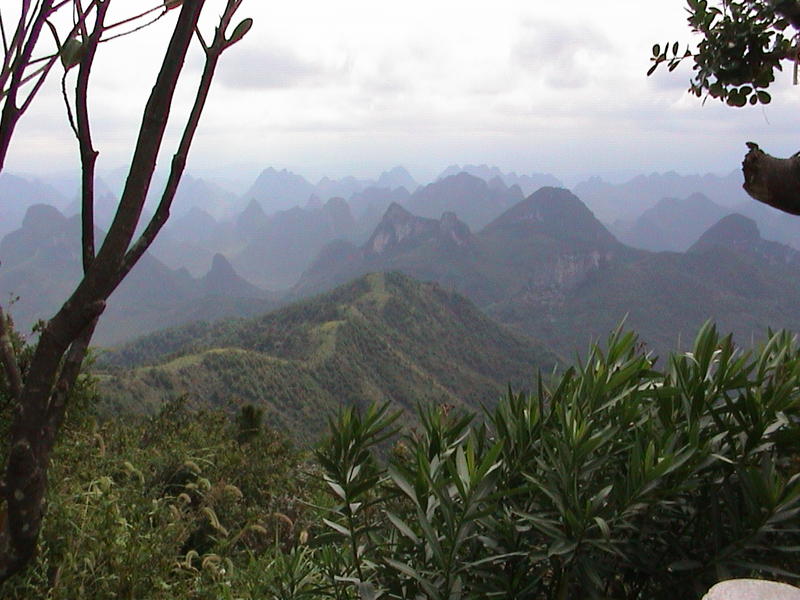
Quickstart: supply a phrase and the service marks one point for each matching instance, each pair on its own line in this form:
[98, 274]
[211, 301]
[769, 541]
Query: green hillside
[381, 337]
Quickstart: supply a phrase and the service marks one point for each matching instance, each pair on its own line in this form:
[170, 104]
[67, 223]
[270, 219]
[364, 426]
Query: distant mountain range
[672, 224]
[550, 269]
[40, 265]
[273, 249]
[542, 263]
[627, 201]
[383, 337]
[492, 175]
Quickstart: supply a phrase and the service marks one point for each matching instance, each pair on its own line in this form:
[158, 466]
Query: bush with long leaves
[614, 479]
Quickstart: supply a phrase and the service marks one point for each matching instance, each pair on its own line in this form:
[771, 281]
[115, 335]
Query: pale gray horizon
[355, 88]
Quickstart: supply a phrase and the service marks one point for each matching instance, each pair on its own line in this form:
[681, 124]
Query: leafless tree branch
[84, 133]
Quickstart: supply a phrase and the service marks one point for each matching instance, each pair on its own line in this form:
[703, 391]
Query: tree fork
[40, 407]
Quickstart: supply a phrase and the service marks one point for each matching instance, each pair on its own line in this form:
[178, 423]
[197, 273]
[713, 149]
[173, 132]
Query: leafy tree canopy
[742, 44]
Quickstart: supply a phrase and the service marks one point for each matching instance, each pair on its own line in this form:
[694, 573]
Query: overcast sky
[357, 86]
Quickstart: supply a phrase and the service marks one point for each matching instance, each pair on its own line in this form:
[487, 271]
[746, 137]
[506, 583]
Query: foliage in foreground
[617, 481]
[614, 480]
[173, 506]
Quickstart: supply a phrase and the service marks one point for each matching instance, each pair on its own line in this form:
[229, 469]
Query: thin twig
[3, 32]
[161, 215]
[65, 96]
[135, 29]
[11, 114]
[80, 20]
[49, 65]
[55, 35]
[50, 58]
[136, 17]
[84, 134]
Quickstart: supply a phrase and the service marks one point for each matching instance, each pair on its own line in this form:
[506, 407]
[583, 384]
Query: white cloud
[528, 85]
[565, 55]
[271, 68]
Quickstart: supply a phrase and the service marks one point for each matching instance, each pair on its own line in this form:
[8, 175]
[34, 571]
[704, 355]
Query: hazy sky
[357, 86]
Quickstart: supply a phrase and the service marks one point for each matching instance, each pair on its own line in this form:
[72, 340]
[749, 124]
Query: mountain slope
[731, 275]
[548, 268]
[548, 241]
[41, 265]
[471, 198]
[281, 247]
[383, 337]
[673, 224]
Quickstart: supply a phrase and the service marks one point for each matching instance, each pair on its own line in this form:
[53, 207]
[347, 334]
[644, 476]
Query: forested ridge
[382, 337]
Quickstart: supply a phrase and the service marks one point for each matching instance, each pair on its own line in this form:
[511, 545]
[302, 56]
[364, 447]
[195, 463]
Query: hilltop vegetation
[381, 338]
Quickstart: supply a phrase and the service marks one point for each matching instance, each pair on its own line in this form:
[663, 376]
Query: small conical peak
[516, 191]
[396, 178]
[43, 217]
[221, 265]
[699, 197]
[223, 280]
[395, 213]
[397, 171]
[253, 208]
[545, 205]
[731, 231]
[337, 203]
[556, 212]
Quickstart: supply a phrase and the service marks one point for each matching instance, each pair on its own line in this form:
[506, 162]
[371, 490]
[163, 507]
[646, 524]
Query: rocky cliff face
[400, 230]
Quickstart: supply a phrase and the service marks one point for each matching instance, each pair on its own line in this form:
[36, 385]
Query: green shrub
[172, 506]
[617, 480]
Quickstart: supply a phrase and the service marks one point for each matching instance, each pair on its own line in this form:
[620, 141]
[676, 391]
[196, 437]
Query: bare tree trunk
[40, 407]
[40, 401]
